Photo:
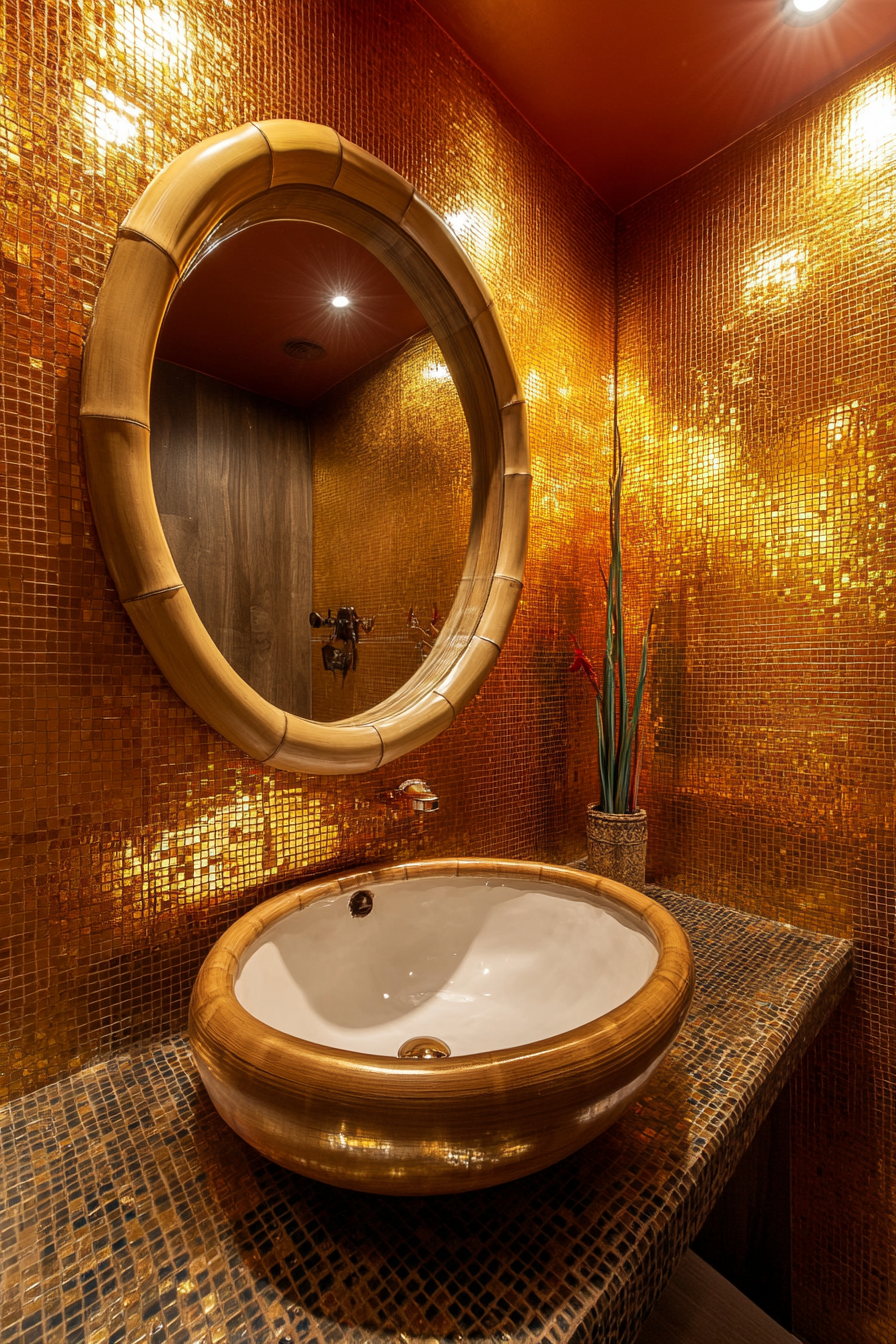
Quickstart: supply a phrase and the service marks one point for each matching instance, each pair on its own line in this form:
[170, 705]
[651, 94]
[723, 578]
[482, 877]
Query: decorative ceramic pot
[617, 845]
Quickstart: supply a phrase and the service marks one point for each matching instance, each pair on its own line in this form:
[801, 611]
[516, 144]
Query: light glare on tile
[472, 227]
[160, 38]
[460, 221]
[111, 120]
[775, 276]
[875, 121]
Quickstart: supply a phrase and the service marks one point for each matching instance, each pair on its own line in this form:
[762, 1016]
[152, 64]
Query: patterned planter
[617, 845]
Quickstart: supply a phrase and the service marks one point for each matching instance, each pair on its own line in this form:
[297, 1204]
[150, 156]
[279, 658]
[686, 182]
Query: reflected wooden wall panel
[232, 478]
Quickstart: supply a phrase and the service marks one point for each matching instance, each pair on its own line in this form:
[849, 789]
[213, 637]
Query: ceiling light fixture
[340, 301]
[800, 12]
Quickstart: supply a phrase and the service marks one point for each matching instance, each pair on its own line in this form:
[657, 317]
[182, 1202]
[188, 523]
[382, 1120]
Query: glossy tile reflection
[758, 401]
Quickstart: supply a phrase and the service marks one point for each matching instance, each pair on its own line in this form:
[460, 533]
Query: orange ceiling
[632, 93]
[273, 283]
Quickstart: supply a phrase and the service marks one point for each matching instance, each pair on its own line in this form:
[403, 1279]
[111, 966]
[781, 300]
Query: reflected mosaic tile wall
[392, 480]
[758, 403]
[132, 833]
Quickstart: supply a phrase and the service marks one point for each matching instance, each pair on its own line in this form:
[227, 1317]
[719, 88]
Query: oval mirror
[310, 459]
[306, 449]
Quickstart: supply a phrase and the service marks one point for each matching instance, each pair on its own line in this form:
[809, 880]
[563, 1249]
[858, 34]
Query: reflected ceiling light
[340, 301]
[800, 12]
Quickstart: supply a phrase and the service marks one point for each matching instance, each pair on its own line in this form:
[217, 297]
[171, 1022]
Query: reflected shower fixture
[340, 653]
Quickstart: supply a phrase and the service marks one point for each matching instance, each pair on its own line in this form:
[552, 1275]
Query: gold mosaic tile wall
[759, 409]
[392, 477]
[132, 833]
[758, 404]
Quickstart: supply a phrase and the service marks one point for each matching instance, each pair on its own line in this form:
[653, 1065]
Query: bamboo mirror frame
[303, 171]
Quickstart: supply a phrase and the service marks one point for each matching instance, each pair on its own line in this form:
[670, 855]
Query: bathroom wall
[133, 834]
[758, 408]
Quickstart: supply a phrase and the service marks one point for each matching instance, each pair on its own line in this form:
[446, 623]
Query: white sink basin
[480, 963]
[438, 1026]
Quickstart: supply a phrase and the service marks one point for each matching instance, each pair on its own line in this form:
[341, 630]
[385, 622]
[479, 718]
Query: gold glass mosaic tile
[761, 284]
[133, 1214]
[757, 382]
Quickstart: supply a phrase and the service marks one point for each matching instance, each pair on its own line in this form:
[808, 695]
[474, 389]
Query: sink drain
[360, 904]
[423, 1047]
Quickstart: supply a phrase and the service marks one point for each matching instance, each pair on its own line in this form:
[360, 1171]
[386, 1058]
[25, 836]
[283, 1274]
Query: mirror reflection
[311, 466]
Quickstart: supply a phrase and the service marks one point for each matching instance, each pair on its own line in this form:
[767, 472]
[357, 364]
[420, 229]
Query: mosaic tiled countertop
[131, 1213]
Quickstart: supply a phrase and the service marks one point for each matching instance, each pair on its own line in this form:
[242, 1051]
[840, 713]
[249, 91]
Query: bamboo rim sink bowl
[530, 1004]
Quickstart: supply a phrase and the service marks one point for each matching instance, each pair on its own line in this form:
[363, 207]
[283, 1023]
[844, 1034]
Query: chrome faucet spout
[420, 795]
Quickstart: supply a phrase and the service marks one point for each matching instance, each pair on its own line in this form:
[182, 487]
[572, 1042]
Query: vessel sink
[438, 1026]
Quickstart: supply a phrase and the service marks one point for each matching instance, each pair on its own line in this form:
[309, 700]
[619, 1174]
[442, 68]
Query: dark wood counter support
[746, 1237]
[699, 1306]
[132, 1212]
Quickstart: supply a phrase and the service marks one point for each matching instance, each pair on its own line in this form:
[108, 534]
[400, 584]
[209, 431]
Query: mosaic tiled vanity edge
[133, 1214]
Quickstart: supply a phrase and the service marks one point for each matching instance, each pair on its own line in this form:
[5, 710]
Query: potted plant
[617, 827]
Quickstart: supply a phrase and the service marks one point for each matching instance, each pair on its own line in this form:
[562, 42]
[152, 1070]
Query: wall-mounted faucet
[419, 795]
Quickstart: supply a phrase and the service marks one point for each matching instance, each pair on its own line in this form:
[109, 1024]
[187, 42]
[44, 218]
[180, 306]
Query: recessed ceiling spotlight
[801, 12]
[340, 301]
